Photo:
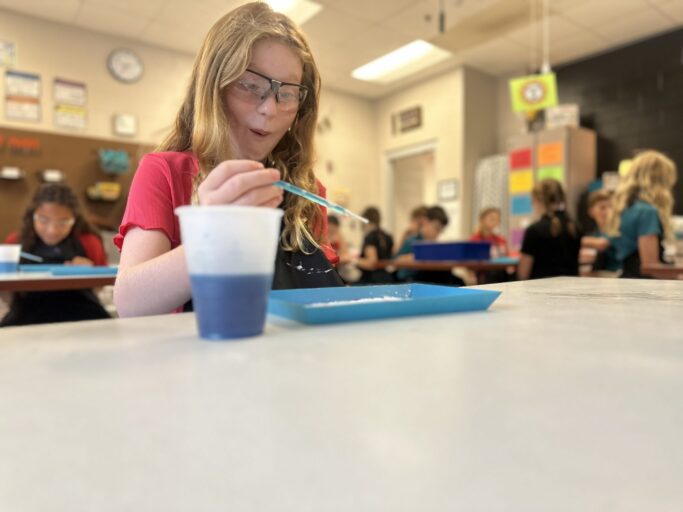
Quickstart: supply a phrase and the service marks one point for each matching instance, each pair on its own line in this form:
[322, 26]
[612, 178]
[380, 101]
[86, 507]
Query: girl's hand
[80, 260]
[243, 182]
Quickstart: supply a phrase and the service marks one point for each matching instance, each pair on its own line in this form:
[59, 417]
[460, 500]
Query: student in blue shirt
[642, 213]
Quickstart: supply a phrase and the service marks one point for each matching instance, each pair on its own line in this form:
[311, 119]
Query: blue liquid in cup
[230, 306]
[8, 266]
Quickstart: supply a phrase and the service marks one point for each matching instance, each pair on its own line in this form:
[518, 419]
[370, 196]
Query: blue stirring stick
[31, 257]
[317, 199]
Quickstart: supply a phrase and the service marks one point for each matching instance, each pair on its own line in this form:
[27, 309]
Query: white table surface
[567, 395]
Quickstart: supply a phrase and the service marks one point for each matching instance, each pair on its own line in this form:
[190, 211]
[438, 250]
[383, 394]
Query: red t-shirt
[162, 182]
[94, 250]
[496, 241]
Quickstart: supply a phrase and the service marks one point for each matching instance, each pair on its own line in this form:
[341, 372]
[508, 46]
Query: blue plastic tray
[69, 270]
[452, 251]
[308, 305]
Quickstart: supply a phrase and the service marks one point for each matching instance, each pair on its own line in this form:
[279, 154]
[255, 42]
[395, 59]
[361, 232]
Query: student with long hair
[248, 120]
[377, 245]
[551, 244]
[643, 204]
[54, 228]
[487, 231]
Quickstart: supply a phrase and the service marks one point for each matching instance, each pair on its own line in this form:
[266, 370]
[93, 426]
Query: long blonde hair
[651, 177]
[201, 125]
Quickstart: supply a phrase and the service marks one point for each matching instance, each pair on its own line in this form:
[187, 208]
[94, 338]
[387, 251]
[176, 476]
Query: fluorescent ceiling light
[400, 63]
[298, 10]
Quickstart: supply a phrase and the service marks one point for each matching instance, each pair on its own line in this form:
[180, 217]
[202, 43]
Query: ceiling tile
[371, 10]
[417, 21]
[111, 20]
[673, 9]
[636, 26]
[334, 26]
[560, 29]
[498, 56]
[144, 8]
[63, 10]
[596, 15]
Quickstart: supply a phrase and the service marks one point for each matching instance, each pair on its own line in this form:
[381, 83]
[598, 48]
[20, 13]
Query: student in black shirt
[551, 244]
[377, 245]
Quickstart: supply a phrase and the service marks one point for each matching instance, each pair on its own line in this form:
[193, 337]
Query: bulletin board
[76, 157]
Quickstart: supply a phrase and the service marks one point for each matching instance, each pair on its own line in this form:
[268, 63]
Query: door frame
[395, 154]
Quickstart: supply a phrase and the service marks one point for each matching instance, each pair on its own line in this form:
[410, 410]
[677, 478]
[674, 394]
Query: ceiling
[496, 36]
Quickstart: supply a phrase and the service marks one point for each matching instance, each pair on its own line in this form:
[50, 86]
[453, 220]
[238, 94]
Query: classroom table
[441, 265]
[45, 281]
[663, 271]
[564, 396]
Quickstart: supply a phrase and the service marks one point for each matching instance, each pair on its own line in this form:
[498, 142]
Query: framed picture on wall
[448, 190]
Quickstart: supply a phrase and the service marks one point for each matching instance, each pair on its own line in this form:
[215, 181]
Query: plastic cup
[230, 253]
[9, 257]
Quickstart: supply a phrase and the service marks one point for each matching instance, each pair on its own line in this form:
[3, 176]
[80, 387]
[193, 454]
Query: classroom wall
[54, 50]
[442, 102]
[481, 115]
[460, 112]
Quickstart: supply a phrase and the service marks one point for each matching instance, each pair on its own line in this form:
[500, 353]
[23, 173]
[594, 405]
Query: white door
[413, 180]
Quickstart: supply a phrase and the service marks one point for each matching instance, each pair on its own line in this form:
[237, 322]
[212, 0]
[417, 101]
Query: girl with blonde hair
[643, 204]
[248, 120]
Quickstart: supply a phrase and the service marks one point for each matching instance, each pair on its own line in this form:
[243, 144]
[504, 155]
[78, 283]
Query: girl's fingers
[243, 187]
[226, 170]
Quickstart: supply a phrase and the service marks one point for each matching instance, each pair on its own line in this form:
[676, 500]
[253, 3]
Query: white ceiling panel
[635, 26]
[500, 56]
[672, 9]
[334, 27]
[559, 28]
[371, 10]
[597, 14]
[110, 20]
[142, 8]
[58, 10]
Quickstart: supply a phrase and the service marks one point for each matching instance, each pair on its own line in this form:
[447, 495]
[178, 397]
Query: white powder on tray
[334, 303]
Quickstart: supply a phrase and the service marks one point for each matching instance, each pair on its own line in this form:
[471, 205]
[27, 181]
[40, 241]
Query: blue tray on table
[348, 304]
[69, 270]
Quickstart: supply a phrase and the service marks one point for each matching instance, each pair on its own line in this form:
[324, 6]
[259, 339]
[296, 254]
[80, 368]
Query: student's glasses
[47, 221]
[255, 88]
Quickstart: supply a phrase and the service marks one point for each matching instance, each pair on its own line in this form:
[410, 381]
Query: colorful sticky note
[550, 153]
[521, 205]
[516, 238]
[533, 92]
[624, 167]
[555, 172]
[521, 181]
[520, 158]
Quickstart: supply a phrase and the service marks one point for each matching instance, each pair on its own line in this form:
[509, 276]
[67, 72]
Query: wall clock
[125, 65]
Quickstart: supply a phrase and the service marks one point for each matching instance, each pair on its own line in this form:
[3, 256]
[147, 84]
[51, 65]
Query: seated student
[642, 213]
[337, 240]
[417, 217]
[54, 229]
[551, 244]
[348, 272]
[435, 222]
[487, 231]
[595, 245]
[377, 245]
